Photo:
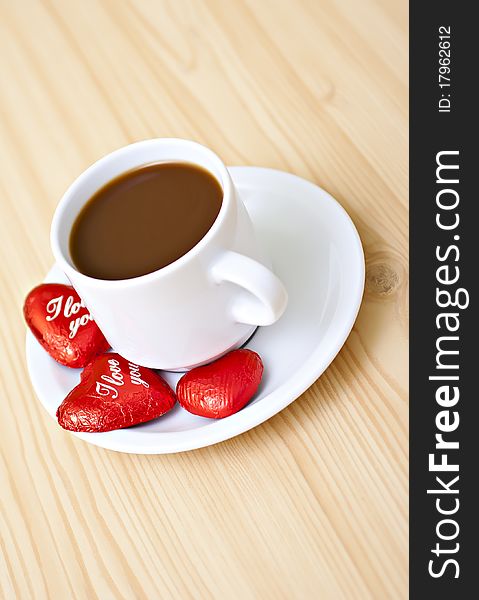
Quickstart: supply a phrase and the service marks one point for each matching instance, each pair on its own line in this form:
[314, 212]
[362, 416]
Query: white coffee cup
[202, 305]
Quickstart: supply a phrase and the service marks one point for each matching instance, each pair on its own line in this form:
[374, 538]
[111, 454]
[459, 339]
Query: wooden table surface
[313, 503]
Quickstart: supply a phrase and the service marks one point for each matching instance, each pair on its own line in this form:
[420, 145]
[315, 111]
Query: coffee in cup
[144, 219]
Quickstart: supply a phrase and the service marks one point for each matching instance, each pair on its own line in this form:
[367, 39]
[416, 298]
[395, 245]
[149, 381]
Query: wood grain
[312, 504]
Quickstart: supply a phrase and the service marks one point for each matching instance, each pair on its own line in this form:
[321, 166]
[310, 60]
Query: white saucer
[317, 253]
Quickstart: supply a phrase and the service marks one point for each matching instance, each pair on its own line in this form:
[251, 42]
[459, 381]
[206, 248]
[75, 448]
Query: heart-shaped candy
[114, 393]
[62, 324]
[223, 387]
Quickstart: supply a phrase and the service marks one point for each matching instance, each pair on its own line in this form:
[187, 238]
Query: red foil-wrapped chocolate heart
[57, 317]
[223, 387]
[114, 393]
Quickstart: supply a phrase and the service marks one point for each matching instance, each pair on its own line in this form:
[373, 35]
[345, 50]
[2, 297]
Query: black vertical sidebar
[444, 522]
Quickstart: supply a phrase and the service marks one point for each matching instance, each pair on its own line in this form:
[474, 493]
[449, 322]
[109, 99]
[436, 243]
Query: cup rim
[63, 205]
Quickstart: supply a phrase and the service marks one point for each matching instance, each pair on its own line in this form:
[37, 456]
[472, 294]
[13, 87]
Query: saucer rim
[255, 414]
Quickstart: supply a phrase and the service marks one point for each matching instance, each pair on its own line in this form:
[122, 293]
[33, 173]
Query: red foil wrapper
[223, 387]
[114, 393]
[56, 316]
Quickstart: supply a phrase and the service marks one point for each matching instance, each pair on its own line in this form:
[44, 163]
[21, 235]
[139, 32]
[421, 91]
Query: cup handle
[270, 297]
